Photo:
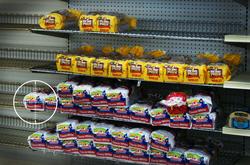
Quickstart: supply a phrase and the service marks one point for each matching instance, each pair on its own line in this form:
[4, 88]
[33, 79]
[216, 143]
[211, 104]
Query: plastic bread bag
[139, 156]
[84, 130]
[234, 59]
[104, 150]
[218, 73]
[51, 102]
[176, 103]
[158, 157]
[82, 65]
[173, 71]
[66, 130]
[99, 67]
[139, 138]
[67, 106]
[102, 133]
[64, 62]
[81, 94]
[103, 111]
[204, 121]
[162, 140]
[34, 101]
[159, 116]
[60, 19]
[88, 22]
[211, 57]
[195, 73]
[70, 146]
[140, 112]
[239, 120]
[137, 51]
[99, 95]
[197, 157]
[118, 97]
[199, 103]
[121, 113]
[176, 156]
[121, 153]
[37, 140]
[157, 53]
[108, 50]
[52, 142]
[65, 89]
[115, 22]
[120, 136]
[153, 72]
[136, 69]
[86, 147]
[123, 50]
[182, 121]
[86, 109]
[118, 69]
[86, 49]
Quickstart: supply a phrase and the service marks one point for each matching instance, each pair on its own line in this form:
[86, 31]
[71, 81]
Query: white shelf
[237, 132]
[237, 38]
[241, 81]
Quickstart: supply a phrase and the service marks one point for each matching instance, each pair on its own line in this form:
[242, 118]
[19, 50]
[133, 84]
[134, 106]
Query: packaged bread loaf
[60, 19]
[218, 73]
[64, 63]
[82, 65]
[195, 73]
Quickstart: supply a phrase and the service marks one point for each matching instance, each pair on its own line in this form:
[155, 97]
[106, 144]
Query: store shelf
[241, 81]
[145, 34]
[52, 70]
[237, 38]
[237, 132]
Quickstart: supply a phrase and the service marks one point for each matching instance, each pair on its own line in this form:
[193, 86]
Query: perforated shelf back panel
[173, 47]
[223, 14]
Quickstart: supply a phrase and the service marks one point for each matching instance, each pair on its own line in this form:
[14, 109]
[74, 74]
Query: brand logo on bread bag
[134, 68]
[116, 67]
[98, 66]
[81, 63]
[102, 147]
[175, 156]
[192, 72]
[64, 61]
[103, 22]
[82, 128]
[153, 70]
[118, 135]
[161, 139]
[100, 131]
[87, 22]
[172, 71]
[215, 73]
[194, 158]
[85, 144]
[50, 21]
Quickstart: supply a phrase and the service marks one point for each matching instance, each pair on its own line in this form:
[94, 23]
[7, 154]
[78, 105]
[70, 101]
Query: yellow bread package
[99, 67]
[123, 50]
[118, 69]
[86, 49]
[153, 72]
[82, 65]
[211, 57]
[115, 22]
[137, 51]
[232, 59]
[61, 19]
[157, 53]
[108, 50]
[195, 73]
[218, 73]
[173, 72]
[64, 63]
[136, 69]
[88, 22]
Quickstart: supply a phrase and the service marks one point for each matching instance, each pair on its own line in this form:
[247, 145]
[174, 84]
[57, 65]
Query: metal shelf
[52, 70]
[145, 34]
[237, 38]
[237, 132]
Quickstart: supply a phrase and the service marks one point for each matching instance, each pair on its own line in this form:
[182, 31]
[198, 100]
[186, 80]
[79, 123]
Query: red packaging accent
[87, 152]
[141, 119]
[160, 147]
[158, 161]
[102, 140]
[38, 145]
[139, 146]
[67, 135]
[104, 154]
[84, 136]
[121, 156]
[120, 144]
[71, 150]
